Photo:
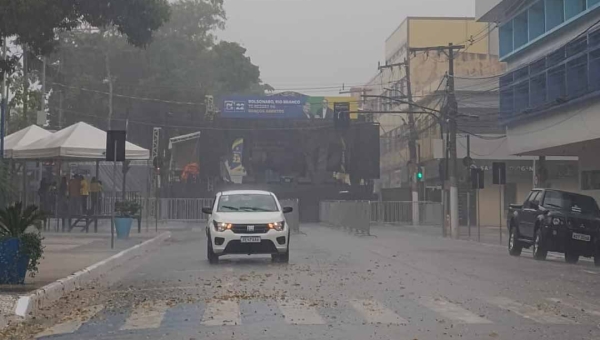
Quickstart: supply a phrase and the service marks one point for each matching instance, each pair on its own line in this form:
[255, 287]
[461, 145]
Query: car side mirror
[207, 211]
[287, 210]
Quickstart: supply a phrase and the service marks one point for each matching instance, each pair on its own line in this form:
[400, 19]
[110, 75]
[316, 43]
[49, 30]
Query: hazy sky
[323, 43]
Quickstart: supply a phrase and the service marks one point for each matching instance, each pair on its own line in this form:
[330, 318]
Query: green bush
[14, 223]
[127, 208]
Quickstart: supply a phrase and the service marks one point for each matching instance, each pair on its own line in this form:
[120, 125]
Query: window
[522, 96]
[577, 76]
[571, 202]
[506, 38]
[536, 20]
[538, 90]
[574, 7]
[590, 180]
[556, 83]
[521, 30]
[592, 3]
[247, 203]
[555, 13]
[594, 72]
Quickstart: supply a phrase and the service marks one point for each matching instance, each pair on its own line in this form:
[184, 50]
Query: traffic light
[420, 175]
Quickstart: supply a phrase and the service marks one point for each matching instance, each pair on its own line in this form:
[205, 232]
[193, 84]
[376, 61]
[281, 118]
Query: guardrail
[352, 215]
[430, 213]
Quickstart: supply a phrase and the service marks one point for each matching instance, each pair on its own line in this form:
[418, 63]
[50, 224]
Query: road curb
[28, 305]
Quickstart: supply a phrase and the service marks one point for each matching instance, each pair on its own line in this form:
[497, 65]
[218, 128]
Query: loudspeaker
[119, 137]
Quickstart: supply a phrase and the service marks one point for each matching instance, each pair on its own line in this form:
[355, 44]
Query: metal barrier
[430, 213]
[352, 215]
[293, 218]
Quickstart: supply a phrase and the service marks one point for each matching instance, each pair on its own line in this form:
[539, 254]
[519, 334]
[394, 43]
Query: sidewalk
[488, 234]
[67, 253]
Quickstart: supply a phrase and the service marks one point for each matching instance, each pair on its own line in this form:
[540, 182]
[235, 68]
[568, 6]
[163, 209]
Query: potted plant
[125, 211]
[20, 242]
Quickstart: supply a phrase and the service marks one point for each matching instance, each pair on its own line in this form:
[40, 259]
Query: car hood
[248, 217]
[573, 215]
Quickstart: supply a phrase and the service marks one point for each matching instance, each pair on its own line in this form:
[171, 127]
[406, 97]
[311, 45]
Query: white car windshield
[247, 203]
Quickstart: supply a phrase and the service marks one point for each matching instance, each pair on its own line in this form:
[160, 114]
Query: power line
[128, 97]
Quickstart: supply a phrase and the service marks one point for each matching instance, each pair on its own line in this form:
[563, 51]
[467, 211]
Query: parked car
[558, 221]
[247, 222]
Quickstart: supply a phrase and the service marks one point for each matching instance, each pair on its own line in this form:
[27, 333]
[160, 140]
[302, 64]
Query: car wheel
[514, 246]
[572, 258]
[539, 247]
[210, 254]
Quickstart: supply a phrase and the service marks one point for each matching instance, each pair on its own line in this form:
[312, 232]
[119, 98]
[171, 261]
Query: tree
[163, 84]
[35, 23]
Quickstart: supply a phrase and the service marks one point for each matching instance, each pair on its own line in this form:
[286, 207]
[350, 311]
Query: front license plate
[250, 239]
[582, 237]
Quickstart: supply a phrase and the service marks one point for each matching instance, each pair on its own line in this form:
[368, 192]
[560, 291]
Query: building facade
[549, 96]
[427, 74]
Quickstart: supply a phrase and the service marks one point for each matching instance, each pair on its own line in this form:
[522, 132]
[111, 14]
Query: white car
[247, 222]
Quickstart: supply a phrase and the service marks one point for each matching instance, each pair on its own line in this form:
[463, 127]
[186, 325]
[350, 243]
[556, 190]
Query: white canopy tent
[22, 138]
[80, 141]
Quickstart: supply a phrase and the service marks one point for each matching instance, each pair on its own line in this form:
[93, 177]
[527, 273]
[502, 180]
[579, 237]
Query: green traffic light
[419, 175]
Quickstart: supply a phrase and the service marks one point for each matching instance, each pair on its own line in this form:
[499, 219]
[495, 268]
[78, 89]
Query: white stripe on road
[146, 316]
[375, 312]
[529, 312]
[590, 272]
[452, 311]
[72, 325]
[222, 313]
[580, 306]
[300, 312]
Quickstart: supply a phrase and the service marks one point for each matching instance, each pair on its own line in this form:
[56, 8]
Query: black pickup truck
[558, 221]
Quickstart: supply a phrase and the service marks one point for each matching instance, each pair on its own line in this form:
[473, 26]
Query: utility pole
[4, 102]
[412, 141]
[452, 112]
[412, 147]
[110, 90]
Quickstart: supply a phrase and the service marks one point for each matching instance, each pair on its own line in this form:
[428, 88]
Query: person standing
[85, 193]
[43, 193]
[95, 189]
[75, 195]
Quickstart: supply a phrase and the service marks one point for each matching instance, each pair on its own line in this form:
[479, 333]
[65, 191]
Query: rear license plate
[582, 237]
[250, 239]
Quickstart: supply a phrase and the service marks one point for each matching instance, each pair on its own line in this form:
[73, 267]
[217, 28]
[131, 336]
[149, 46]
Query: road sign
[499, 172]
[117, 137]
[477, 178]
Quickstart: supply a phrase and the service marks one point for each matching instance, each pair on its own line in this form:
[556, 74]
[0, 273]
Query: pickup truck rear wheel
[571, 257]
[539, 246]
[514, 246]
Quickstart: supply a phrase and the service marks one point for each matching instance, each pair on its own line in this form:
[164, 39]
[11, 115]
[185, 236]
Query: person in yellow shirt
[95, 189]
[84, 191]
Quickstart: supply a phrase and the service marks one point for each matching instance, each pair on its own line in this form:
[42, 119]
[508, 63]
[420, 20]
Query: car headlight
[221, 227]
[277, 226]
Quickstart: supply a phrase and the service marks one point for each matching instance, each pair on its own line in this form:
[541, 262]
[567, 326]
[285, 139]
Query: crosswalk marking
[70, 326]
[146, 316]
[300, 312]
[529, 312]
[584, 307]
[453, 311]
[375, 312]
[222, 313]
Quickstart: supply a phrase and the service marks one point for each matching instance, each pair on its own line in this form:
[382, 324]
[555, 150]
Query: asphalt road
[398, 285]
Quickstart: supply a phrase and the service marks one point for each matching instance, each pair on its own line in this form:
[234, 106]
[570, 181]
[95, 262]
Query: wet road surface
[397, 285]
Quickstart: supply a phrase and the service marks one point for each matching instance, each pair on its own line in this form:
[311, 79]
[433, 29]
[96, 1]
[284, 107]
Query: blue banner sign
[295, 107]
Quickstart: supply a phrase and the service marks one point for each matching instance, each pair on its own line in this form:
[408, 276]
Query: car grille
[578, 224]
[243, 229]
